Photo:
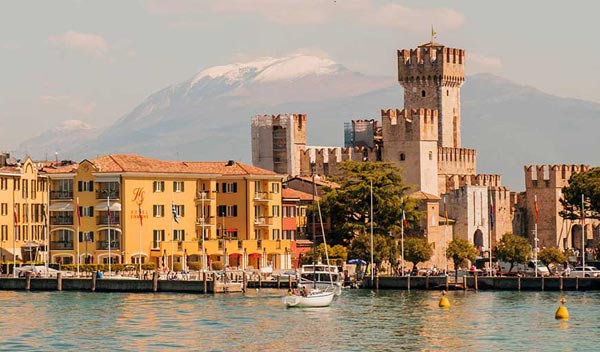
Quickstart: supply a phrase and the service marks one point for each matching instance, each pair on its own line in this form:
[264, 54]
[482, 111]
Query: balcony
[206, 195]
[115, 219]
[61, 245]
[103, 245]
[262, 196]
[106, 193]
[61, 220]
[61, 195]
[263, 221]
[205, 220]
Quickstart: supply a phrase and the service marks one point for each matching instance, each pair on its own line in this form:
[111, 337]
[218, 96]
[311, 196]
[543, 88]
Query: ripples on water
[360, 320]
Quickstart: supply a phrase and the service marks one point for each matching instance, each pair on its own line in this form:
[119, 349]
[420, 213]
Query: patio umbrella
[357, 261]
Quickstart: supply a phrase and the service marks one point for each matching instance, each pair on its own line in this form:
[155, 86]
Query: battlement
[457, 161]
[431, 62]
[551, 176]
[489, 180]
[410, 124]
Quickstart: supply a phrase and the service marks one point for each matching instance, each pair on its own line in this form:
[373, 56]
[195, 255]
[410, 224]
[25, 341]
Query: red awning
[234, 255]
[255, 255]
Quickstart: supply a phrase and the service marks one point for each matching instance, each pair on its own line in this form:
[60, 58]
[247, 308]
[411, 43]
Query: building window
[447, 92]
[289, 211]
[157, 237]
[158, 186]
[275, 211]
[158, 210]
[274, 187]
[25, 189]
[179, 235]
[85, 186]
[276, 234]
[177, 186]
[4, 209]
[179, 209]
[86, 211]
[229, 187]
[423, 93]
[227, 210]
[289, 235]
[87, 236]
[402, 157]
[430, 155]
[4, 233]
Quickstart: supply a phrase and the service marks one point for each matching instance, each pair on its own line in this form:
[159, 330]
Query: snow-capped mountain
[207, 117]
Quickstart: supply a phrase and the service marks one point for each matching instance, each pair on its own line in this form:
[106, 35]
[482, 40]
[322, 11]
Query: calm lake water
[360, 320]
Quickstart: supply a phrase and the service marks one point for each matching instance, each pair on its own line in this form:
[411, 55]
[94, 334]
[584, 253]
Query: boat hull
[320, 299]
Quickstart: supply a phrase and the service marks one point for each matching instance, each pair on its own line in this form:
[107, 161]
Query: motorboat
[311, 298]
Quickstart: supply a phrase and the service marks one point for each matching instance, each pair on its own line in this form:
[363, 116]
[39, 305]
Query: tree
[552, 256]
[348, 206]
[588, 184]
[417, 250]
[513, 249]
[360, 248]
[460, 250]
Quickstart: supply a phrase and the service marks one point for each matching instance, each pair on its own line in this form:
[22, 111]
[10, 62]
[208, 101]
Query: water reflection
[359, 320]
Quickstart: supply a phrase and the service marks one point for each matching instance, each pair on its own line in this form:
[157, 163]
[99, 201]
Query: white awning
[61, 207]
[114, 206]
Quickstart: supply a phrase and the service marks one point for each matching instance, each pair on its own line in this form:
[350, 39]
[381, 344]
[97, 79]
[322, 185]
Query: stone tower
[432, 76]
[278, 141]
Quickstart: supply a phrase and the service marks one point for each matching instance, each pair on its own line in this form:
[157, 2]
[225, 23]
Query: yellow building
[127, 206]
[23, 193]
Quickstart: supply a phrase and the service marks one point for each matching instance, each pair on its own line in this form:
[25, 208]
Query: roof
[58, 167]
[10, 170]
[318, 181]
[424, 196]
[292, 193]
[117, 163]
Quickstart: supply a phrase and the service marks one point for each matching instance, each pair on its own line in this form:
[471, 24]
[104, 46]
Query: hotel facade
[128, 208]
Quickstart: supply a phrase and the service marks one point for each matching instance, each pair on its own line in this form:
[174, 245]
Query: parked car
[588, 271]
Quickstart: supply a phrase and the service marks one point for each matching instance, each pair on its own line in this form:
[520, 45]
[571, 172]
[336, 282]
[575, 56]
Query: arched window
[402, 157]
[423, 93]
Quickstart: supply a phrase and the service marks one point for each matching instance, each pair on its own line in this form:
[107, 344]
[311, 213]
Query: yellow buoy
[561, 313]
[444, 302]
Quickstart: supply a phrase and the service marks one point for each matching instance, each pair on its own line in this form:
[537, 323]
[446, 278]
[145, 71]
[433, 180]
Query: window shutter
[79, 186]
[224, 185]
[91, 186]
[235, 210]
[235, 187]
[182, 211]
[216, 187]
[80, 236]
[182, 235]
[174, 186]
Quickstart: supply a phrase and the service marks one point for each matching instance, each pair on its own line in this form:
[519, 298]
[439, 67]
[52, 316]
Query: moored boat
[314, 298]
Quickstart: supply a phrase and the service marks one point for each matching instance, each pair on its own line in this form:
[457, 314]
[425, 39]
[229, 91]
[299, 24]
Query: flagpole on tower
[433, 34]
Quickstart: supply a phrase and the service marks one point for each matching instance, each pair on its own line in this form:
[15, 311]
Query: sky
[95, 61]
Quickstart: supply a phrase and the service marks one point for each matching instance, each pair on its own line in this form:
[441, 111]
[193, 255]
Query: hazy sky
[95, 61]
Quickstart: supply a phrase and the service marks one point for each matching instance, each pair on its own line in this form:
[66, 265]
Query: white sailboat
[317, 296]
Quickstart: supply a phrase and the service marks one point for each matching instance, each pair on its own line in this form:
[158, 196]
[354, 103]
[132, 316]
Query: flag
[16, 213]
[582, 212]
[175, 215]
[433, 33]
[404, 222]
[535, 208]
[78, 213]
[140, 214]
[491, 201]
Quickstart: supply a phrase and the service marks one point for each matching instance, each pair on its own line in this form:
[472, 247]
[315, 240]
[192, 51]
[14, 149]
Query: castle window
[423, 93]
[430, 155]
[447, 92]
[402, 157]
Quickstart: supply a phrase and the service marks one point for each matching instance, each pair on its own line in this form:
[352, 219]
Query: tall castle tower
[432, 76]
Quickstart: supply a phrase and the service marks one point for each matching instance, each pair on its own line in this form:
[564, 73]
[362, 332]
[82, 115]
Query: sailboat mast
[314, 233]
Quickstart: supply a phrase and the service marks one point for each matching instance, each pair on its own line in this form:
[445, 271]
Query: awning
[61, 207]
[234, 255]
[114, 206]
[254, 255]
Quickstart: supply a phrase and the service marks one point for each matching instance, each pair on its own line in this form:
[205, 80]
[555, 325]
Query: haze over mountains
[208, 117]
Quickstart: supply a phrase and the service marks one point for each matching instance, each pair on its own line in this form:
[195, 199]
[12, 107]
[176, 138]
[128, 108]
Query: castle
[424, 140]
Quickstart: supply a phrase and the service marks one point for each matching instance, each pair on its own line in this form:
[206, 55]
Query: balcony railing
[61, 220]
[115, 220]
[61, 245]
[105, 193]
[206, 195]
[263, 221]
[205, 220]
[61, 194]
[262, 196]
[103, 245]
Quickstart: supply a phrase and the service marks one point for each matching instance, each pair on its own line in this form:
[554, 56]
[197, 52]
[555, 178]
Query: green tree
[417, 250]
[348, 207]
[460, 250]
[588, 184]
[513, 249]
[552, 256]
[336, 253]
[360, 248]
